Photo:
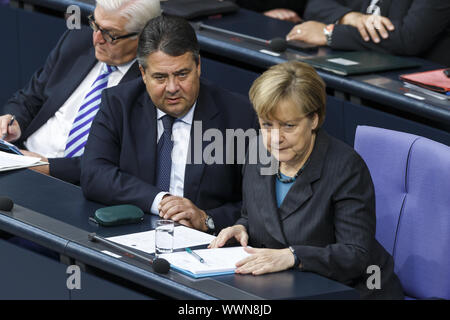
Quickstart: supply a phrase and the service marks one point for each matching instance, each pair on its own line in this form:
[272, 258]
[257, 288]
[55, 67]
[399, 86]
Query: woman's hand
[264, 261]
[238, 232]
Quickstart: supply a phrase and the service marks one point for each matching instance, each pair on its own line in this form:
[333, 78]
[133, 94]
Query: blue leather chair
[411, 175]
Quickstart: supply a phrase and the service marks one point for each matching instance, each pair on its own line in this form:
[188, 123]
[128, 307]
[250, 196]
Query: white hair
[138, 12]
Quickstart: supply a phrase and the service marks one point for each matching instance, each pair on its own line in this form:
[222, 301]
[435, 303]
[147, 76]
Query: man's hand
[284, 14]
[182, 210]
[44, 169]
[11, 132]
[310, 32]
[264, 261]
[370, 26]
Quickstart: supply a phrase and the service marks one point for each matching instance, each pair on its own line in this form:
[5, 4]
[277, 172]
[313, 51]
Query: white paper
[342, 61]
[216, 260]
[183, 237]
[9, 161]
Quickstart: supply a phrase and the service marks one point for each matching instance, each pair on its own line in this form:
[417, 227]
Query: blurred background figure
[408, 27]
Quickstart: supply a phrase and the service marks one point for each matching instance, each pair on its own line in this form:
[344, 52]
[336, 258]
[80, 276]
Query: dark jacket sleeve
[354, 223]
[226, 215]
[233, 213]
[326, 11]
[102, 179]
[27, 102]
[67, 169]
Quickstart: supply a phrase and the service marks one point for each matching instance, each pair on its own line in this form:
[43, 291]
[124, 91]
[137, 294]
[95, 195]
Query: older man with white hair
[54, 111]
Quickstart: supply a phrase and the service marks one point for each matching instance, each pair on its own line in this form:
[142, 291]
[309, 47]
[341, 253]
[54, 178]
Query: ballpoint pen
[188, 250]
[9, 124]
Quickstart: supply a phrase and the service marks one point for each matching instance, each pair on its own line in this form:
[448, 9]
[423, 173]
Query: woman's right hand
[238, 232]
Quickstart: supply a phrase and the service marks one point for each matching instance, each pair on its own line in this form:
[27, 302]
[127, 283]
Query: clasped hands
[183, 211]
[260, 261]
[370, 27]
[12, 133]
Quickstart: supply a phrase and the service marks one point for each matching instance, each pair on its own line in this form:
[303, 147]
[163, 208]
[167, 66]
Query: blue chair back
[411, 175]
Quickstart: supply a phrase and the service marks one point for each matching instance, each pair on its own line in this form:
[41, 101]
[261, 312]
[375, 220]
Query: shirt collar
[123, 68]
[187, 118]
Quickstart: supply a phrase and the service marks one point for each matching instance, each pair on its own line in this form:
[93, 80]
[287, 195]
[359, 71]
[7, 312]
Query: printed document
[9, 161]
[217, 261]
[183, 237]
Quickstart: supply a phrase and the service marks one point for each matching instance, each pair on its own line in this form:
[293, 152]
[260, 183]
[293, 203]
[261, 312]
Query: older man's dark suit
[328, 217]
[49, 88]
[422, 27]
[119, 163]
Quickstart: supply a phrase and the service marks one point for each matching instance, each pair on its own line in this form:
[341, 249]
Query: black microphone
[6, 204]
[276, 44]
[159, 265]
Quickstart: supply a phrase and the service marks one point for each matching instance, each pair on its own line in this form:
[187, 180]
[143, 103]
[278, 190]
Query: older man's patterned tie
[82, 124]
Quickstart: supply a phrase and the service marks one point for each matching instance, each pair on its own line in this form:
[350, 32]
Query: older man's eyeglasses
[106, 34]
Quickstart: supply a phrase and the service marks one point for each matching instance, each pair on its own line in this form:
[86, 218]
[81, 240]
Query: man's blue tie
[82, 124]
[164, 155]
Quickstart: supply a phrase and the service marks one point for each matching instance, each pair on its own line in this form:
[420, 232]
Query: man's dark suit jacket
[328, 217]
[422, 27]
[49, 88]
[119, 162]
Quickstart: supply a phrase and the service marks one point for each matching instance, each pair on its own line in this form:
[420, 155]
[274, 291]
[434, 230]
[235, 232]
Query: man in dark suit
[54, 111]
[408, 27]
[146, 147]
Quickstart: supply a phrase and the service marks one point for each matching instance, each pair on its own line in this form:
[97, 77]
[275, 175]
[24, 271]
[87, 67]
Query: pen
[188, 250]
[9, 124]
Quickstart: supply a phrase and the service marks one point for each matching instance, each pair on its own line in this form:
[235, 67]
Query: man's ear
[141, 68]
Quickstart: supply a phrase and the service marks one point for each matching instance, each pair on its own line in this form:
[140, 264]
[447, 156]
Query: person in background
[317, 213]
[54, 111]
[146, 145]
[289, 10]
[409, 27]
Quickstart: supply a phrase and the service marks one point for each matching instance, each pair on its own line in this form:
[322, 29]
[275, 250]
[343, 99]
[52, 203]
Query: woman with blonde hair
[317, 213]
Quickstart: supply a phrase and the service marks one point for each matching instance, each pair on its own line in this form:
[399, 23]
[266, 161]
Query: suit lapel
[268, 205]
[301, 190]
[75, 76]
[205, 112]
[80, 69]
[132, 73]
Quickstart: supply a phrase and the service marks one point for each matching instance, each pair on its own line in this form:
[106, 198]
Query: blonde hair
[294, 81]
[137, 12]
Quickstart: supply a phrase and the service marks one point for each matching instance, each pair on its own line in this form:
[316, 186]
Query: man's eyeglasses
[105, 34]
